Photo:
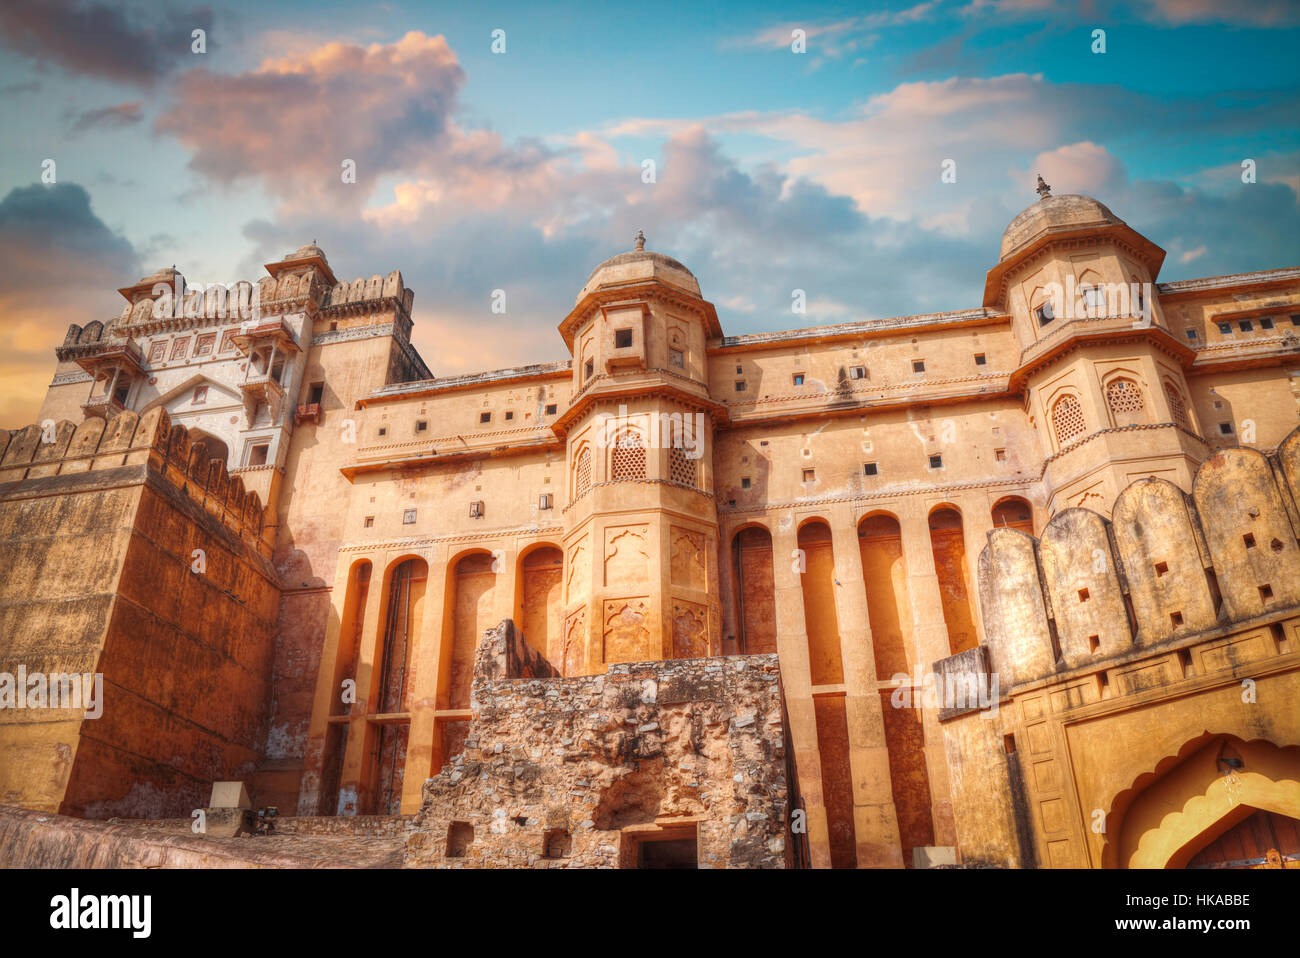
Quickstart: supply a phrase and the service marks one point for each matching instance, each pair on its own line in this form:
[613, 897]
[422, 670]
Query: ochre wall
[150, 568]
[1144, 705]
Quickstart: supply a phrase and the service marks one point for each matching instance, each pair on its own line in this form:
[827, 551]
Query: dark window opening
[556, 843]
[981, 359]
[622, 338]
[936, 462]
[870, 469]
[667, 853]
[460, 835]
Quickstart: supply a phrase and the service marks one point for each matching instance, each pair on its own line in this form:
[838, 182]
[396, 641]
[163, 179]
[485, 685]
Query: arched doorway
[1202, 809]
[755, 590]
[216, 448]
[1013, 512]
[949, 547]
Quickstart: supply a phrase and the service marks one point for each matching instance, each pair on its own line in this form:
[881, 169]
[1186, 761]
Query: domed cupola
[1052, 215]
[1071, 226]
[638, 265]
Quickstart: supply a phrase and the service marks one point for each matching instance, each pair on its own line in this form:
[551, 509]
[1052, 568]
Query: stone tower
[1100, 370]
[640, 522]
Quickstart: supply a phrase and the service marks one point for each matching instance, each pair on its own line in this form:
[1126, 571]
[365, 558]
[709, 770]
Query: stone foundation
[655, 764]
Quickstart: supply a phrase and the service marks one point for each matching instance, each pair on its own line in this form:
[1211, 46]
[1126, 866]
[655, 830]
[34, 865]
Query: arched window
[582, 473]
[1176, 405]
[1124, 397]
[1093, 294]
[1067, 419]
[627, 460]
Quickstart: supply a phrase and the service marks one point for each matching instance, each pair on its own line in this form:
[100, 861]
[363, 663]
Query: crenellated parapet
[1168, 565]
[300, 282]
[38, 452]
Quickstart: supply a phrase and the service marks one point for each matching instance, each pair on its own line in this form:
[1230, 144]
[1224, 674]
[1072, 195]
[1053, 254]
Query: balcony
[309, 412]
[104, 406]
[262, 387]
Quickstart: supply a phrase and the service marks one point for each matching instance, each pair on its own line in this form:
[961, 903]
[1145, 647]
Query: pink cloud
[293, 121]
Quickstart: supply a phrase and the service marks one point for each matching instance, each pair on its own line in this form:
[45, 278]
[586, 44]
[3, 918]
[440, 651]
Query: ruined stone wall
[576, 772]
[1122, 647]
[128, 553]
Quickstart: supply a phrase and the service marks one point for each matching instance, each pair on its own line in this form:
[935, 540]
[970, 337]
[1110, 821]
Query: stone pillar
[875, 820]
[422, 745]
[930, 643]
[313, 763]
[360, 731]
[505, 563]
[796, 678]
[976, 521]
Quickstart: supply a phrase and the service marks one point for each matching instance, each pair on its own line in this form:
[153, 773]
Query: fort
[649, 606]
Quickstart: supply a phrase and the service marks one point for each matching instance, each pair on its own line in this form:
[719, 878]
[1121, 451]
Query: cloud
[1257, 13]
[1086, 167]
[61, 266]
[856, 215]
[111, 41]
[294, 121]
[839, 37]
[108, 117]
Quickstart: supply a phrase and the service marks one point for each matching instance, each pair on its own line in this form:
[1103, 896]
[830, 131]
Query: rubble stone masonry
[584, 772]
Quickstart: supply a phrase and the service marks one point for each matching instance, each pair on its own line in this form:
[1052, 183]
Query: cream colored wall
[948, 353]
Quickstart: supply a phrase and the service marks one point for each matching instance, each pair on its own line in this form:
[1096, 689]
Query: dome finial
[640, 239]
[1044, 191]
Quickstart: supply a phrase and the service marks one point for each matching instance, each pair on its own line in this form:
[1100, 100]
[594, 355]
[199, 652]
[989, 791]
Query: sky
[502, 146]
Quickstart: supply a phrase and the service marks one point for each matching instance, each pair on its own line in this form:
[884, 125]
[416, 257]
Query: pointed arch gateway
[1222, 784]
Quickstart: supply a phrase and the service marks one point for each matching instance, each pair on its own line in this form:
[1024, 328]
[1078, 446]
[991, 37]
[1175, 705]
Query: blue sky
[520, 171]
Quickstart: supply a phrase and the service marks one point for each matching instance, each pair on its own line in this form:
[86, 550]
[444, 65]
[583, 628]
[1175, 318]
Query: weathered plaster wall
[574, 772]
[1122, 668]
[167, 592]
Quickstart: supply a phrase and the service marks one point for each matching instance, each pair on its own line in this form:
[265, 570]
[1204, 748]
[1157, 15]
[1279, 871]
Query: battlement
[149, 440]
[1168, 565]
[299, 282]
